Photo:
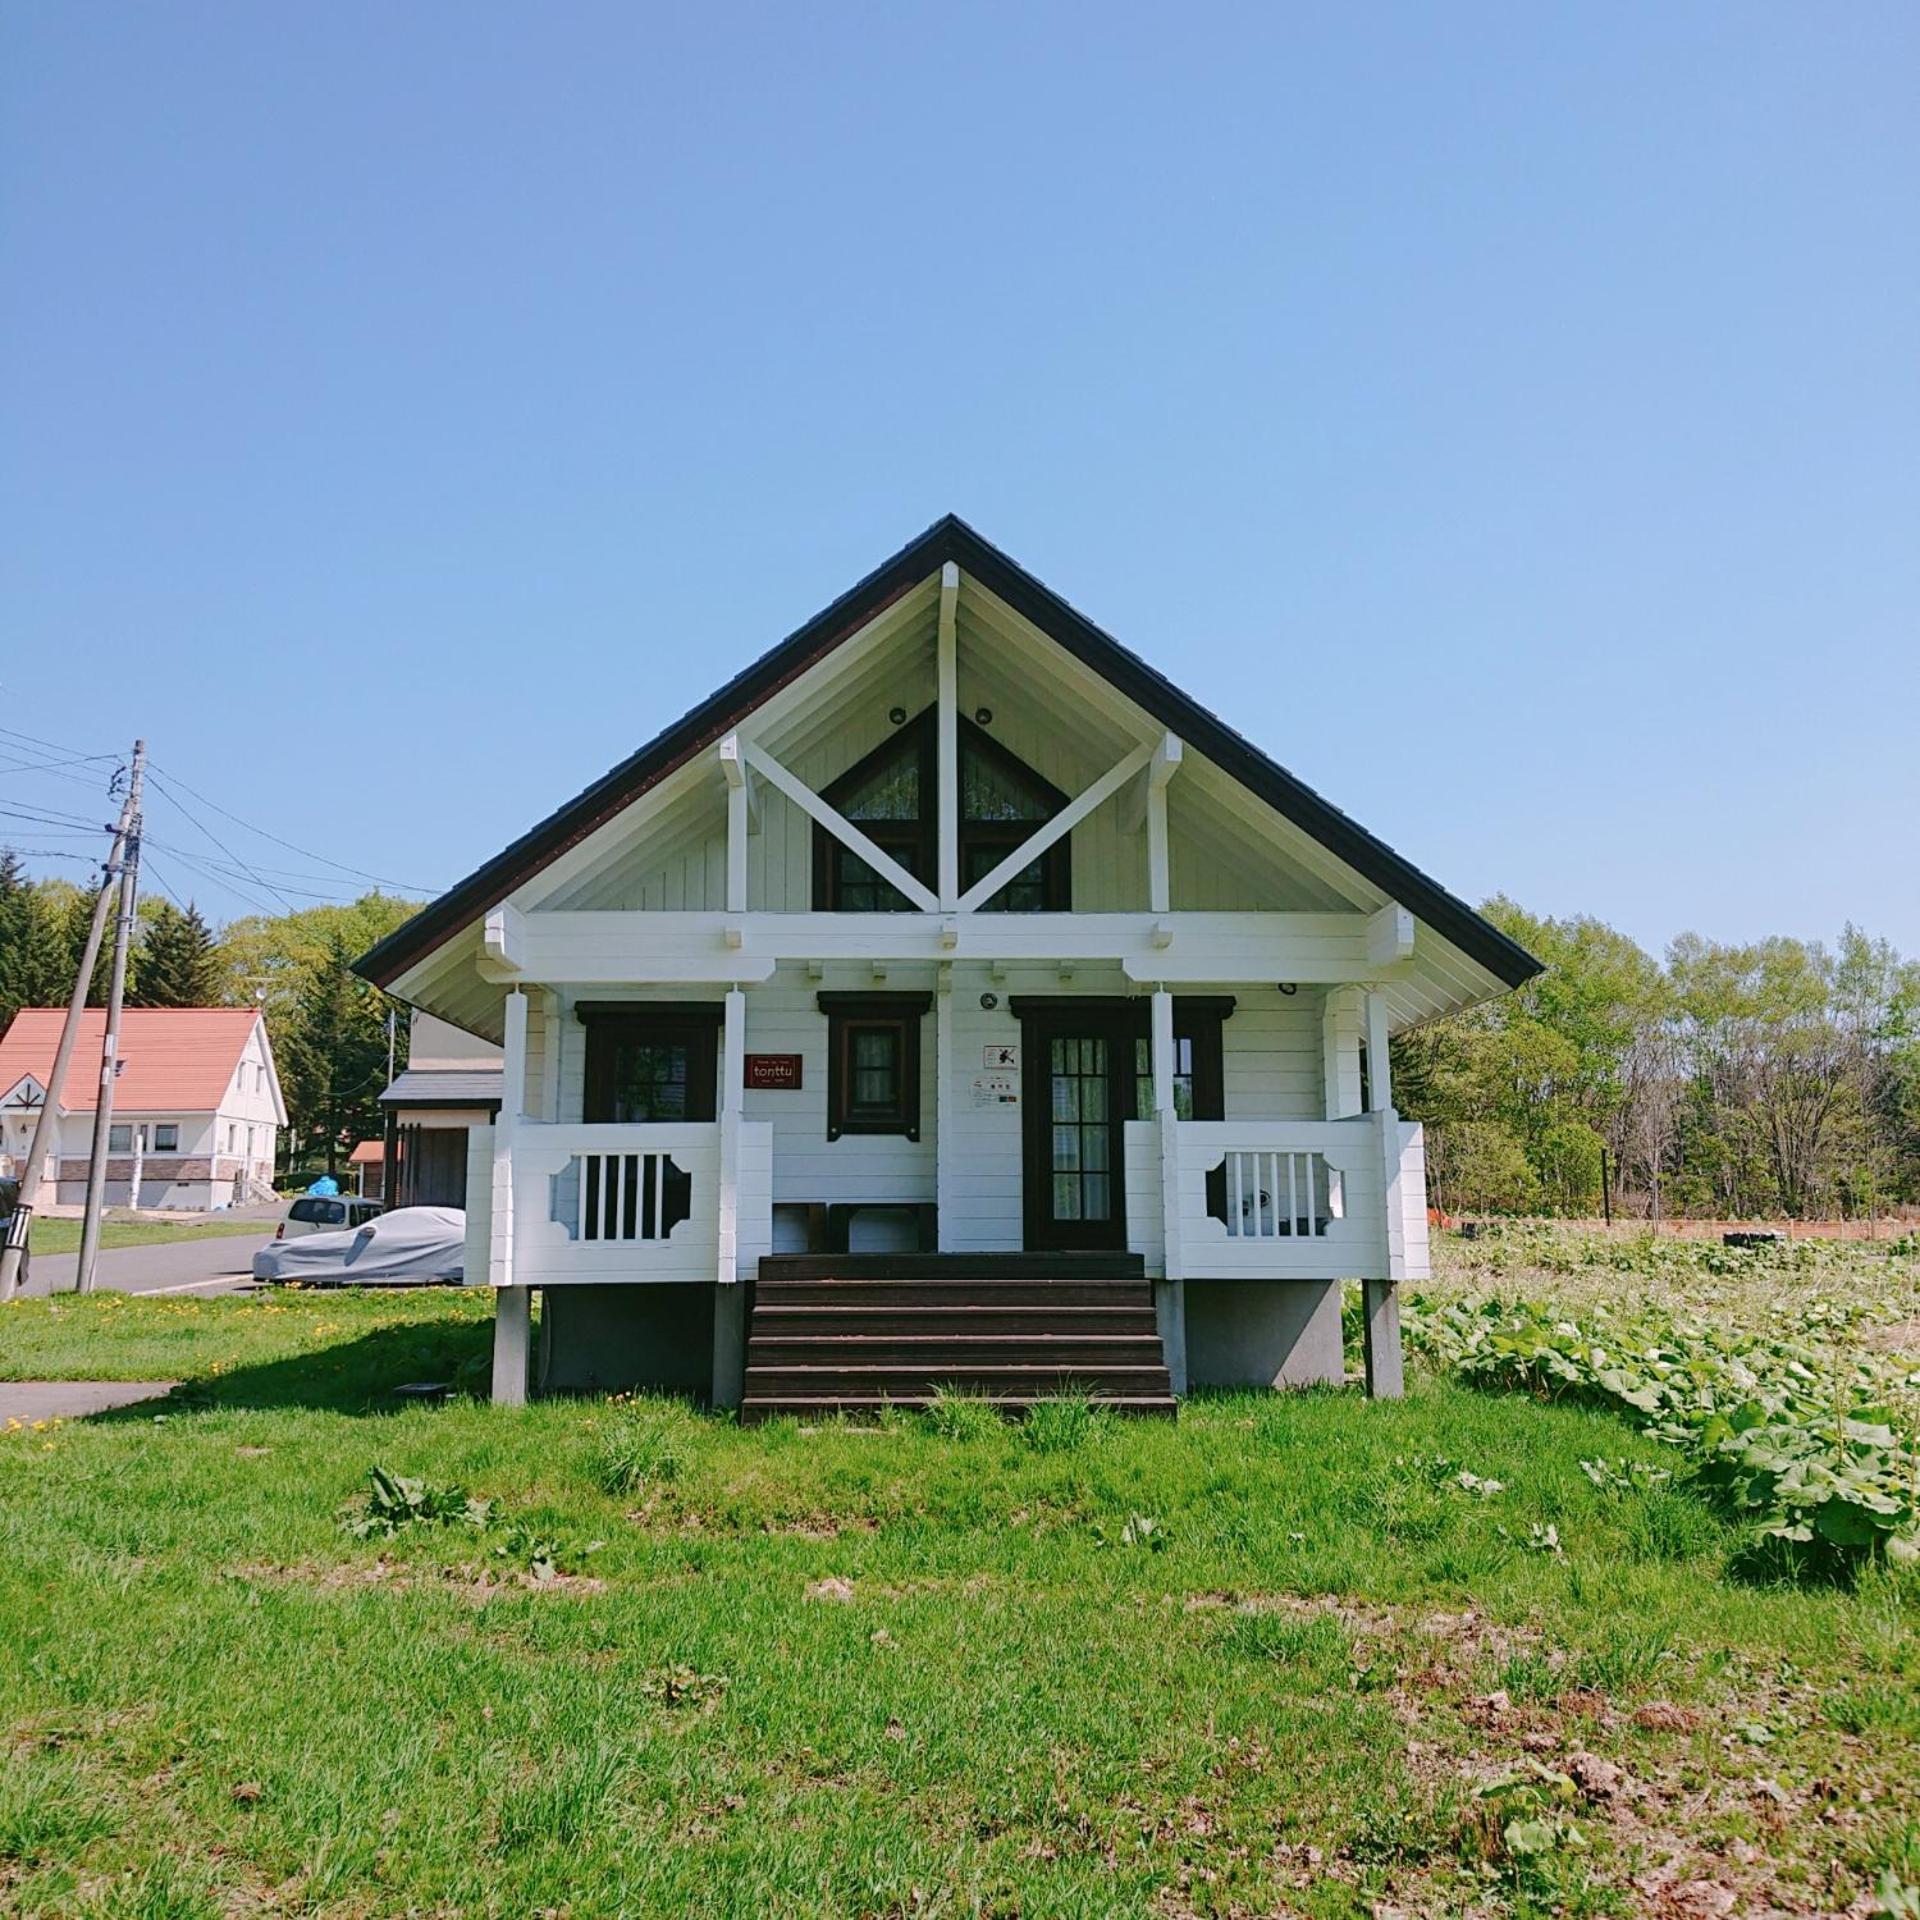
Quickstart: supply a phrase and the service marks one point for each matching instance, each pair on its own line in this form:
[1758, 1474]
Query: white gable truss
[27, 1092]
[1182, 870]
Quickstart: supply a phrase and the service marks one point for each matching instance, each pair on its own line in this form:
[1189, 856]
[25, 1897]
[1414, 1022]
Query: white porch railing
[634, 1203]
[1283, 1199]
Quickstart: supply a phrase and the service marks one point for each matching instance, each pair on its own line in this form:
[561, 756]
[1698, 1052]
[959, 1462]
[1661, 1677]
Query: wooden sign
[774, 1072]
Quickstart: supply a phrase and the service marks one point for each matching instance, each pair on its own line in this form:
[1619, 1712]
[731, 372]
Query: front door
[1077, 1095]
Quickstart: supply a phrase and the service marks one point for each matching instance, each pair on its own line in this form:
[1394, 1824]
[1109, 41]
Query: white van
[324, 1213]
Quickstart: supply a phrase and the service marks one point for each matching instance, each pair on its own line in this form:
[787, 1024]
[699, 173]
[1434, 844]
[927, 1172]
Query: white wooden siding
[983, 1178]
[782, 1017]
[1413, 1200]
[1145, 1230]
[479, 1204]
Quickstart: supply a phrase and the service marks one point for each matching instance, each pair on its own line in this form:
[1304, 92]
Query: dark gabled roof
[949, 539]
[444, 1087]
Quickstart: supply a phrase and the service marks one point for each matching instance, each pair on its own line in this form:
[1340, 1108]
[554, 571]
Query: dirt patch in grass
[478, 1584]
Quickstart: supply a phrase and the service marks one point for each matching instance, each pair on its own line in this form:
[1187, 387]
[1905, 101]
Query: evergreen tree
[179, 963]
[74, 908]
[333, 1055]
[16, 920]
[40, 965]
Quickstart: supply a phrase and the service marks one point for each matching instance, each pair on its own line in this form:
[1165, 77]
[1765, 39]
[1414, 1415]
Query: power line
[51, 817]
[306, 853]
[199, 864]
[209, 833]
[230, 875]
[57, 769]
[55, 746]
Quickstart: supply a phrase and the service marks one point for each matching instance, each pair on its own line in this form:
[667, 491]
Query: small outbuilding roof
[445, 1087]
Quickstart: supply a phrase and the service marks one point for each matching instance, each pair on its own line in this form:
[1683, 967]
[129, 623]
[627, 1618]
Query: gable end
[949, 539]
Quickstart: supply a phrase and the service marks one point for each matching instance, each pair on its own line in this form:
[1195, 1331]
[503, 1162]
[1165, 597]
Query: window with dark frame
[873, 1062]
[892, 797]
[1199, 1068]
[166, 1138]
[651, 1062]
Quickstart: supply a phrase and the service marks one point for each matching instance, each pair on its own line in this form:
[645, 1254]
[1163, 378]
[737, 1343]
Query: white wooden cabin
[948, 948]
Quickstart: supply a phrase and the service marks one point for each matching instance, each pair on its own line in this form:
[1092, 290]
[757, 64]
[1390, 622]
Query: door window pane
[1082, 1128]
[1182, 1077]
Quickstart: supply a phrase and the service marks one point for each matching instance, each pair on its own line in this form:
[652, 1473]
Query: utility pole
[48, 1120]
[110, 1043]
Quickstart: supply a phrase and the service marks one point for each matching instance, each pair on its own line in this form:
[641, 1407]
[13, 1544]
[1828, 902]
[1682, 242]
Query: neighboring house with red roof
[197, 1109]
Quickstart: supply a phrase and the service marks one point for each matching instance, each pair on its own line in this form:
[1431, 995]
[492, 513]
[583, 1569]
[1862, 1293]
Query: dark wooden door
[1077, 1093]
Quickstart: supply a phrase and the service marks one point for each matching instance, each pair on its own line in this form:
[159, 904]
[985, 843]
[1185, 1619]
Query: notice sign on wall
[773, 1072]
[996, 1089]
[999, 1059]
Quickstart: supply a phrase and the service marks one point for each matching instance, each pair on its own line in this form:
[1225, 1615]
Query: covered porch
[1058, 1107]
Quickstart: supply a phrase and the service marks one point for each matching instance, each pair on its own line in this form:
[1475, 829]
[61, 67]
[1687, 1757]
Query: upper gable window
[892, 796]
[1002, 801]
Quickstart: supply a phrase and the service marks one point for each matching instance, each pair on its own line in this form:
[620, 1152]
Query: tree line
[1780, 1077]
[328, 1026]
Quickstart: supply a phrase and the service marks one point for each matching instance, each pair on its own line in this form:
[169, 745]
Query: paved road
[217, 1264]
[26, 1401]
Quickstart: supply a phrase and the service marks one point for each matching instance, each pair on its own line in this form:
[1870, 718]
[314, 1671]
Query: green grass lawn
[63, 1236]
[1278, 1657]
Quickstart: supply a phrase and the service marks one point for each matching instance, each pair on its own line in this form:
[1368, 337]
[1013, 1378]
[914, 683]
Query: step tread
[985, 1343]
[760, 1407]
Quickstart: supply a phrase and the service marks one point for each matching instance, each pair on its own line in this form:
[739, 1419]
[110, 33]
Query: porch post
[1386, 1377]
[512, 1320]
[1170, 1292]
[943, 1210]
[729, 1301]
[947, 669]
[1340, 1052]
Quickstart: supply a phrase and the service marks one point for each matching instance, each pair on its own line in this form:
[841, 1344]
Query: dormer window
[892, 797]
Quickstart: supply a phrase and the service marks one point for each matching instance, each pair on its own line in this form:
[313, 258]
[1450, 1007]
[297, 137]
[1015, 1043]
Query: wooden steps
[852, 1333]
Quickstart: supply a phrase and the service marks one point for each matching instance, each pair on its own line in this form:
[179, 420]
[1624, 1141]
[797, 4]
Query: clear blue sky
[1509, 416]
